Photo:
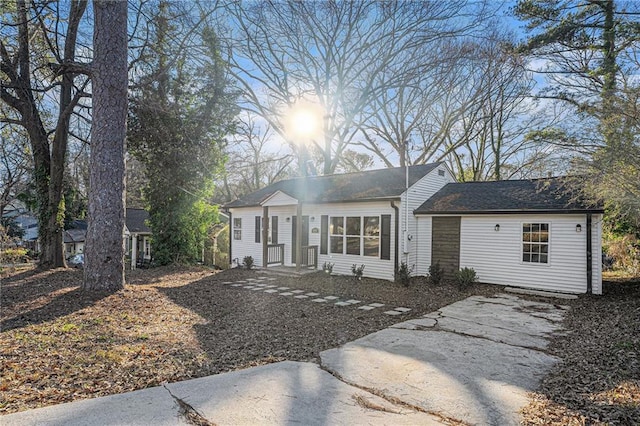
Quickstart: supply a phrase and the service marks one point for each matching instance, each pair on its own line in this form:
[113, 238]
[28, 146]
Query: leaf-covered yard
[59, 343]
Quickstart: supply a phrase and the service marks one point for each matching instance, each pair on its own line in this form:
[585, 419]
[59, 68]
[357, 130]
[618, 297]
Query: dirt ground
[58, 343]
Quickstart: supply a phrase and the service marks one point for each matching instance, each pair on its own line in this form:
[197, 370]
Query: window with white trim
[535, 242]
[336, 234]
[237, 228]
[355, 235]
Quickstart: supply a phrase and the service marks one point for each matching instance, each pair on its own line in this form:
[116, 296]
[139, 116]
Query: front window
[355, 235]
[371, 240]
[237, 228]
[535, 242]
[336, 231]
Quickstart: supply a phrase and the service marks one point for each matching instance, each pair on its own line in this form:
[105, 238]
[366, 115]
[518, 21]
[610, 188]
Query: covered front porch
[285, 233]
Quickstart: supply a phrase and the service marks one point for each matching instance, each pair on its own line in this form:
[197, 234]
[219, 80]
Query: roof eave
[515, 211]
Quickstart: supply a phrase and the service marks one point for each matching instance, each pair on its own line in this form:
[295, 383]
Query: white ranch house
[524, 233]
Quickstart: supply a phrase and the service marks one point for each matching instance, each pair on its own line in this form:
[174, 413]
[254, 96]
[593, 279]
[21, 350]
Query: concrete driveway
[473, 362]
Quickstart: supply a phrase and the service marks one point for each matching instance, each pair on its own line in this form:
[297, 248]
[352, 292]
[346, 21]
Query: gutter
[501, 212]
[397, 246]
[589, 255]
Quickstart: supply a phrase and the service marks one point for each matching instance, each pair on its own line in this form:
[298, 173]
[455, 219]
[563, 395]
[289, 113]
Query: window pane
[525, 257]
[371, 246]
[237, 222]
[371, 226]
[237, 234]
[353, 245]
[544, 227]
[526, 248]
[544, 248]
[353, 226]
[526, 227]
[535, 248]
[544, 237]
[526, 236]
[535, 258]
[535, 227]
[337, 226]
[336, 244]
[543, 258]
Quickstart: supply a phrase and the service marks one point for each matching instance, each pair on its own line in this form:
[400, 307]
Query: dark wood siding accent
[385, 237]
[324, 233]
[445, 243]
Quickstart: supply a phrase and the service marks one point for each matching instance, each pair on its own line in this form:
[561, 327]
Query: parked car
[76, 261]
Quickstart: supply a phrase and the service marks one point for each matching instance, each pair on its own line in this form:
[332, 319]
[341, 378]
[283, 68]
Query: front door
[304, 237]
[445, 244]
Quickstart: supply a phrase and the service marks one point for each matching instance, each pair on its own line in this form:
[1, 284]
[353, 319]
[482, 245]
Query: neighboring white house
[380, 218]
[137, 237]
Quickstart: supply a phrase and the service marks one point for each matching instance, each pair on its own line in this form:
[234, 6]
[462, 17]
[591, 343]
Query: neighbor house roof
[366, 185]
[550, 195]
[135, 220]
[74, 235]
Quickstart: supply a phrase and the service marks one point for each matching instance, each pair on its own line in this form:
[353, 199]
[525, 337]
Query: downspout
[589, 255]
[230, 237]
[395, 255]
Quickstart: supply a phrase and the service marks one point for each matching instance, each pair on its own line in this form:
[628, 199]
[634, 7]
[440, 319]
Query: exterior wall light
[497, 227]
[288, 219]
[578, 228]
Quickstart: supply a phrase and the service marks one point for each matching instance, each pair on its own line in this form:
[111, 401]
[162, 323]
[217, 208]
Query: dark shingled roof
[367, 185]
[135, 220]
[506, 196]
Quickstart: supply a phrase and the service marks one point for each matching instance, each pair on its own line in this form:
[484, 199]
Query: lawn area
[59, 344]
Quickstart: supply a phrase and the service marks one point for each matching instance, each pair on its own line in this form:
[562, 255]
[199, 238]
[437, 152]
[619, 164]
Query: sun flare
[304, 122]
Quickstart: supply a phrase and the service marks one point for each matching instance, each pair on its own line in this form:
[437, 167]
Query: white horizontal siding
[422, 240]
[247, 245]
[418, 193]
[374, 266]
[280, 199]
[497, 256]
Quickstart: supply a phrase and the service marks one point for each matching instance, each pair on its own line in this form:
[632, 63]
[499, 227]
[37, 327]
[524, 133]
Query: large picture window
[355, 235]
[535, 242]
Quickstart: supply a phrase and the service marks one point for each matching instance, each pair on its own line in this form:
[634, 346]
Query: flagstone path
[265, 285]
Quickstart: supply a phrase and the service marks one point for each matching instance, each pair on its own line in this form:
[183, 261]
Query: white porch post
[298, 235]
[134, 250]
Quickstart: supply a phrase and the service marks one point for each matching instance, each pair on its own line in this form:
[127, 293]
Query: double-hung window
[535, 242]
[237, 228]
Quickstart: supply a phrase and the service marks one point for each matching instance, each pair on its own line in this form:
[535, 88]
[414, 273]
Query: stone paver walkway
[259, 284]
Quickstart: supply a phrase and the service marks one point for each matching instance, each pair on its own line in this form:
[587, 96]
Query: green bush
[247, 262]
[465, 277]
[403, 274]
[358, 271]
[14, 255]
[436, 273]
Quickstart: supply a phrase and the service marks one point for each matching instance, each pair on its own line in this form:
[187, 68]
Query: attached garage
[525, 233]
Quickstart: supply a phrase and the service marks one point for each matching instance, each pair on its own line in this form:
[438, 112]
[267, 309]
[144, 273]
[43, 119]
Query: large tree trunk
[104, 254]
